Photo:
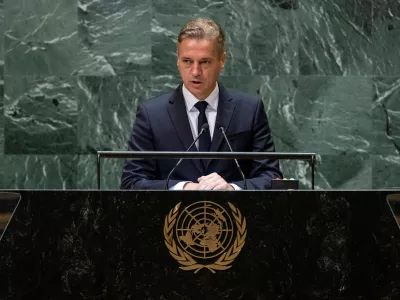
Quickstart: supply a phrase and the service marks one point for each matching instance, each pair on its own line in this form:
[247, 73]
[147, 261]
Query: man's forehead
[198, 40]
[195, 57]
[198, 44]
[198, 49]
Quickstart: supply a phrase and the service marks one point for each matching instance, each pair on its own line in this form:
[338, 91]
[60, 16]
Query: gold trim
[224, 262]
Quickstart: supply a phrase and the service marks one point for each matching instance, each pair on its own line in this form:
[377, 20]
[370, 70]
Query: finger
[204, 187]
[214, 177]
[213, 184]
[222, 186]
[203, 178]
[206, 177]
[214, 180]
[207, 185]
[210, 181]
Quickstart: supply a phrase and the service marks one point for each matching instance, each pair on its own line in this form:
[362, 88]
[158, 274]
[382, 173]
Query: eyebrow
[204, 58]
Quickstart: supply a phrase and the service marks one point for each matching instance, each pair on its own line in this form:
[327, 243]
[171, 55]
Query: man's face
[199, 64]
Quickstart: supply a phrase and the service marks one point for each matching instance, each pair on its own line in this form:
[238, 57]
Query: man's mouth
[196, 81]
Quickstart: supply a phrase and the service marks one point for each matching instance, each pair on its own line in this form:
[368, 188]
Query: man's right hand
[190, 186]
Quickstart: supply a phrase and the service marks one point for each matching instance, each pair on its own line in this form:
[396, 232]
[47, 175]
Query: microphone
[236, 162]
[204, 128]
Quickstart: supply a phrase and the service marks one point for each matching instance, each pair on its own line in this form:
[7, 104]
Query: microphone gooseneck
[236, 162]
[204, 128]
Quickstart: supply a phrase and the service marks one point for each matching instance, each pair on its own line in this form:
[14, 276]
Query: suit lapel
[179, 118]
[224, 117]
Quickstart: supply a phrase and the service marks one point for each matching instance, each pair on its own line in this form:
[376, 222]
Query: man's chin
[196, 91]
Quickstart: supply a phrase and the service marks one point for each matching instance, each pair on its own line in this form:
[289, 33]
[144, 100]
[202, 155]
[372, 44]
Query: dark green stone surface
[40, 115]
[40, 171]
[40, 37]
[74, 72]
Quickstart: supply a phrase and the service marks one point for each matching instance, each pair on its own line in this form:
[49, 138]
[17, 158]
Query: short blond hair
[203, 29]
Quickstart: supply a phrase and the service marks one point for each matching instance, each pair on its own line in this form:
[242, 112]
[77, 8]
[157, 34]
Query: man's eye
[186, 61]
[205, 62]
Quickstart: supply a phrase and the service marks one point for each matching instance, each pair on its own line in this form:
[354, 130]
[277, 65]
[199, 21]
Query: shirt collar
[191, 100]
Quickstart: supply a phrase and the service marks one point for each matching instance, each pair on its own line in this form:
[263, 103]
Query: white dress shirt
[193, 112]
[193, 115]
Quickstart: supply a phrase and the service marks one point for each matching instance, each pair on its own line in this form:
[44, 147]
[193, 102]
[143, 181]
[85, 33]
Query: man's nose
[196, 69]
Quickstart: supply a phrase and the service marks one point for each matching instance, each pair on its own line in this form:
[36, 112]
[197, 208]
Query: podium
[282, 245]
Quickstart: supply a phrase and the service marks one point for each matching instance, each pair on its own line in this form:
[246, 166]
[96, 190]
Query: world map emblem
[205, 235]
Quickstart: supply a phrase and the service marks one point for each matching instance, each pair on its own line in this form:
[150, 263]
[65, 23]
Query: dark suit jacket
[162, 124]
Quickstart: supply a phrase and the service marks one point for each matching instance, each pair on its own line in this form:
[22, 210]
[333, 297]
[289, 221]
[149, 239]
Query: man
[172, 121]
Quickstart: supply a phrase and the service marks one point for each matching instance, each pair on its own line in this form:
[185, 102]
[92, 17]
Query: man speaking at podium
[201, 109]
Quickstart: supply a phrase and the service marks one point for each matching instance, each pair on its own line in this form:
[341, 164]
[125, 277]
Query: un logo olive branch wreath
[188, 263]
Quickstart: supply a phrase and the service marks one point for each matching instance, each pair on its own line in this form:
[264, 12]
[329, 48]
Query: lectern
[201, 245]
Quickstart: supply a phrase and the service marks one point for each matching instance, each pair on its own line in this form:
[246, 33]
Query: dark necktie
[205, 139]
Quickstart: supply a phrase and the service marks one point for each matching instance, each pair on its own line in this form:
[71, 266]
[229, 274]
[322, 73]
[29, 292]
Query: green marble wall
[73, 73]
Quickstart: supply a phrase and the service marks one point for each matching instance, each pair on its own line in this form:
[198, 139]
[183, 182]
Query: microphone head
[221, 128]
[205, 126]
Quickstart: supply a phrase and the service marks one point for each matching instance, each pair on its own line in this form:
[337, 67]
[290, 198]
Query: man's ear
[223, 59]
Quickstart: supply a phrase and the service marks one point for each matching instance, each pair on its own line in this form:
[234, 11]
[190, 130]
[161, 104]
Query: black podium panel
[201, 245]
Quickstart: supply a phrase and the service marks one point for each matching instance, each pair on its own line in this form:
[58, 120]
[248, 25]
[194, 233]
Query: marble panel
[1, 37]
[1, 171]
[40, 37]
[40, 172]
[114, 37]
[326, 115]
[107, 109]
[162, 84]
[40, 115]
[1, 115]
[386, 116]
[335, 37]
[386, 37]
[385, 172]
[262, 38]
[110, 172]
[342, 171]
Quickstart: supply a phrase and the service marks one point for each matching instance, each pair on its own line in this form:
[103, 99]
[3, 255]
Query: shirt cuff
[237, 188]
[178, 186]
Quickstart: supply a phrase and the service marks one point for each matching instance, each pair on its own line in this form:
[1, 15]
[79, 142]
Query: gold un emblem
[204, 235]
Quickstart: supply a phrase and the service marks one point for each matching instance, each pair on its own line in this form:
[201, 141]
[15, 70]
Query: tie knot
[201, 106]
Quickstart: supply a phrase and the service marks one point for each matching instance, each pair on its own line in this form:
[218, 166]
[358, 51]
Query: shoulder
[244, 99]
[243, 96]
[157, 103]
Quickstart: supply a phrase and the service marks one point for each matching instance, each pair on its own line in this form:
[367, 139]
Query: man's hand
[191, 186]
[213, 182]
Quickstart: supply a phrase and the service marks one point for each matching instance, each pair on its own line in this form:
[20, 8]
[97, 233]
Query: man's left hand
[213, 182]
